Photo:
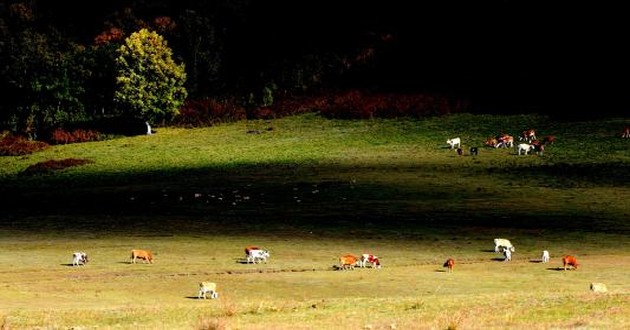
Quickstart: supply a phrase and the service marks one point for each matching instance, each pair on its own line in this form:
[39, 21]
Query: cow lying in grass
[207, 287]
[79, 259]
[144, 255]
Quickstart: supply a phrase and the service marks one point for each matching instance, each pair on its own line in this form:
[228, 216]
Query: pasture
[310, 190]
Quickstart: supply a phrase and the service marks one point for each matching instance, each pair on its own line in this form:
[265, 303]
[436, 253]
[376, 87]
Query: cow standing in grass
[569, 262]
[206, 288]
[348, 261]
[145, 255]
[450, 263]
[79, 259]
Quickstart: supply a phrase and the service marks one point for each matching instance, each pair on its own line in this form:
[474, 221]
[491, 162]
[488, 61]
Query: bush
[13, 145]
[49, 166]
[207, 112]
[60, 136]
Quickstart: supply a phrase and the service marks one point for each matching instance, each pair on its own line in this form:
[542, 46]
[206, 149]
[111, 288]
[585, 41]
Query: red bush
[60, 136]
[12, 145]
[49, 166]
[207, 112]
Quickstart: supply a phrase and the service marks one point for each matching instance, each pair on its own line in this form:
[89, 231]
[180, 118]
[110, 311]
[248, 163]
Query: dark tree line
[57, 57]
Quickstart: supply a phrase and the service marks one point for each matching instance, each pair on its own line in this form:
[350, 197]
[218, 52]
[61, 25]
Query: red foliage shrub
[49, 166]
[12, 145]
[60, 136]
[207, 112]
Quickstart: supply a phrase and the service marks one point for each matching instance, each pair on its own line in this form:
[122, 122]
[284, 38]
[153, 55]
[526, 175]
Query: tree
[150, 85]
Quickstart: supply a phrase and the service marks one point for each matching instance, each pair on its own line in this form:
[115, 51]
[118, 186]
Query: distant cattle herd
[257, 255]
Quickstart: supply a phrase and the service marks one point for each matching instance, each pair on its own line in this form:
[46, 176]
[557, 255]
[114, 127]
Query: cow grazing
[626, 132]
[528, 135]
[348, 261]
[545, 256]
[258, 256]
[450, 263]
[525, 148]
[454, 142]
[79, 259]
[570, 261]
[145, 255]
[504, 140]
[371, 259]
[491, 142]
[501, 244]
[206, 288]
[474, 151]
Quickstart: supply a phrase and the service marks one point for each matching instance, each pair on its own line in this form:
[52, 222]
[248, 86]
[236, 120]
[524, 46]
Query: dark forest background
[500, 56]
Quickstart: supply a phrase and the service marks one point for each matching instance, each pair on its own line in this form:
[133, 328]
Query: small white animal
[79, 259]
[207, 287]
[258, 256]
[525, 148]
[454, 143]
[508, 255]
[545, 256]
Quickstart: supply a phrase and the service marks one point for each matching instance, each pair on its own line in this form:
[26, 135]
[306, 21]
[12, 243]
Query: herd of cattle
[256, 255]
[530, 143]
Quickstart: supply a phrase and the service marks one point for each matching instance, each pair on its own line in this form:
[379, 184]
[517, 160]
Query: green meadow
[309, 190]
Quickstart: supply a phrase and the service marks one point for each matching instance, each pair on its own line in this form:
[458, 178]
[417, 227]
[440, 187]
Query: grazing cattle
[474, 151]
[207, 287]
[528, 135]
[371, 259]
[549, 139]
[545, 256]
[79, 259]
[454, 142]
[258, 256]
[348, 261]
[504, 140]
[507, 254]
[450, 263]
[570, 261]
[524, 148]
[501, 244]
[249, 248]
[491, 142]
[145, 255]
[626, 132]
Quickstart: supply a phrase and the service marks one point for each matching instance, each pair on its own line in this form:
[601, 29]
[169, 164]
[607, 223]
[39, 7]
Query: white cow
[79, 259]
[545, 256]
[455, 142]
[257, 256]
[207, 287]
[503, 244]
[525, 148]
[367, 258]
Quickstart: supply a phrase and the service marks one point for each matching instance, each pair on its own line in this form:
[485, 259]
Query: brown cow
[348, 261]
[626, 132]
[145, 255]
[549, 139]
[450, 263]
[528, 135]
[570, 261]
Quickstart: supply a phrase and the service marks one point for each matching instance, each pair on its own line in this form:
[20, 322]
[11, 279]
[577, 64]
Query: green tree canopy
[150, 85]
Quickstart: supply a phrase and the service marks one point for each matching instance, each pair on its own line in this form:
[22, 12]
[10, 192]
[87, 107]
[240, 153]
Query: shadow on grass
[557, 269]
[498, 259]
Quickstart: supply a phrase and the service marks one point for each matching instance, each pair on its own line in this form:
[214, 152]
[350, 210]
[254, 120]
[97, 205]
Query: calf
[145, 255]
[525, 148]
[348, 261]
[258, 256]
[570, 261]
[79, 259]
[450, 263]
[371, 259]
[545, 256]
[205, 288]
[474, 151]
[455, 142]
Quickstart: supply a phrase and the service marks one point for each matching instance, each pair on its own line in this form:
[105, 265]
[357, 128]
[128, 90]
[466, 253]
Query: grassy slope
[311, 189]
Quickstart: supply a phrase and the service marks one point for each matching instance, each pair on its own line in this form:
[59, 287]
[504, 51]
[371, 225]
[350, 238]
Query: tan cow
[145, 255]
[348, 261]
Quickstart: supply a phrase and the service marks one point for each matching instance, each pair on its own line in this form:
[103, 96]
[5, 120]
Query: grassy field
[310, 190]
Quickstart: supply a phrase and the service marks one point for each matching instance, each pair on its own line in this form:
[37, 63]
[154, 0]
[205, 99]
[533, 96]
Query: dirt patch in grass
[50, 166]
